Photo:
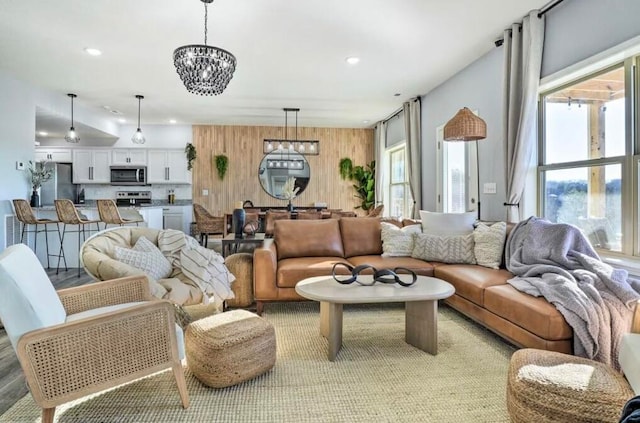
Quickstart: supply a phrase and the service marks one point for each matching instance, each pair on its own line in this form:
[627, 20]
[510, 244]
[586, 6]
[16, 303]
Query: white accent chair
[78, 341]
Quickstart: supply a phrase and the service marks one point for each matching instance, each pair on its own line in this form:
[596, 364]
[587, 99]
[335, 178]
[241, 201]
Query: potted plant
[38, 175]
[222, 163]
[365, 183]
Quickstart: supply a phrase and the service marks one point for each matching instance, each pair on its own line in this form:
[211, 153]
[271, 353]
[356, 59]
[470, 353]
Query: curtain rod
[542, 12]
[548, 7]
[397, 112]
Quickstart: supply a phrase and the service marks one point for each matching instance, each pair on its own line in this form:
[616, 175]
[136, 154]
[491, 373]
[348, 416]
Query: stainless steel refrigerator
[60, 186]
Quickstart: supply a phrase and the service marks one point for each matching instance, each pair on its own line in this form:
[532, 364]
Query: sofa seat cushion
[308, 238]
[534, 314]
[471, 280]
[293, 270]
[420, 267]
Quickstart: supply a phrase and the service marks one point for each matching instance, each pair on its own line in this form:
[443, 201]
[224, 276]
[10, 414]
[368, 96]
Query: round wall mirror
[278, 166]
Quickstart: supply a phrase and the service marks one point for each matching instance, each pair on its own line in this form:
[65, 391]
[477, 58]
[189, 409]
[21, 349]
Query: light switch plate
[205, 192]
[19, 165]
[489, 188]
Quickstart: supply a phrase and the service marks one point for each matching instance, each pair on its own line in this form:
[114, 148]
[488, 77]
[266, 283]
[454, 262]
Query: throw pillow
[489, 244]
[445, 249]
[146, 257]
[447, 223]
[398, 242]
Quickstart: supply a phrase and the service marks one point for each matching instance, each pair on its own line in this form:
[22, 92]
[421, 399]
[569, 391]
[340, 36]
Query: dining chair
[207, 224]
[109, 214]
[68, 215]
[25, 215]
[271, 217]
[309, 215]
[79, 341]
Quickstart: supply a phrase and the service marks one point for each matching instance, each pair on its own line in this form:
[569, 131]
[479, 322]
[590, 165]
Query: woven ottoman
[546, 386]
[241, 266]
[230, 348]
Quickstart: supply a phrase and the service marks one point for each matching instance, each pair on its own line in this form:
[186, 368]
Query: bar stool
[110, 215]
[25, 215]
[68, 215]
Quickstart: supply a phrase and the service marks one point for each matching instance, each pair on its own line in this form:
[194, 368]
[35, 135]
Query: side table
[230, 243]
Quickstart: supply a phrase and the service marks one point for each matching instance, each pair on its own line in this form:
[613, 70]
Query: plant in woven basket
[222, 164]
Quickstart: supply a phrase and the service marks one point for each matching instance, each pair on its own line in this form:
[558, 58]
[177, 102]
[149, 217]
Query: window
[456, 175]
[398, 195]
[585, 156]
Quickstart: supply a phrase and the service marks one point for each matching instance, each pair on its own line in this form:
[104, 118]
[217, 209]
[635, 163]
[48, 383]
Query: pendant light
[72, 136]
[138, 138]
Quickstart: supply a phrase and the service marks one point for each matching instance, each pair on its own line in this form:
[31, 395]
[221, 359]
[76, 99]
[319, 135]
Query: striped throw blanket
[201, 266]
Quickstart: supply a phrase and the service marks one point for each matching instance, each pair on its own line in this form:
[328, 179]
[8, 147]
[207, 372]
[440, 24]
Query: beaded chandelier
[204, 70]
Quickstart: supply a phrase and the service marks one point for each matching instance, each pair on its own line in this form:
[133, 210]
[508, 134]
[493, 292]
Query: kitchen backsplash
[158, 192]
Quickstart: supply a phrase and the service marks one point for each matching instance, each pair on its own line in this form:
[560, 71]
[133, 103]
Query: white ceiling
[289, 53]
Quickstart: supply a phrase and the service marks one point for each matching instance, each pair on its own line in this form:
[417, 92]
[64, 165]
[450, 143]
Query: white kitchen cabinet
[91, 166]
[126, 157]
[167, 167]
[58, 156]
[177, 217]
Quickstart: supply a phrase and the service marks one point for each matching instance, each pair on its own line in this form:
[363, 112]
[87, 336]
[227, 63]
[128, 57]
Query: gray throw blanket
[557, 262]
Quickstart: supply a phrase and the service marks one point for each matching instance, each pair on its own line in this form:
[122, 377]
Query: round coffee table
[421, 308]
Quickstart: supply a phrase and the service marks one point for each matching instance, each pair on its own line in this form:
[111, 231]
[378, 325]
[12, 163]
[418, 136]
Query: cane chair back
[24, 212]
[67, 213]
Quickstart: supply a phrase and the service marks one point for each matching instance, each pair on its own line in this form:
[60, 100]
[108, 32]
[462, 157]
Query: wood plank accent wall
[243, 146]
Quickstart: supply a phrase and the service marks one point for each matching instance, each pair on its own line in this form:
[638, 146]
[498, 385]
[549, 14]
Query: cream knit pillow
[146, 257]
[445, 249]
[398, 242]
[489, 244]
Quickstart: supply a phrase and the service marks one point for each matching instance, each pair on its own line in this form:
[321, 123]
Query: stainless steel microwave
[128, 175]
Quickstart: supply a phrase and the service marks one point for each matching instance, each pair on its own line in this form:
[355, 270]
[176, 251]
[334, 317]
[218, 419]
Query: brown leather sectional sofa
[302, 249]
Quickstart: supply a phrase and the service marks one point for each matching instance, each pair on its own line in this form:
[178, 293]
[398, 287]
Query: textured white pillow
[146, 257]
[398, 242]
[489, 244]
[445, 249]
[447, 223]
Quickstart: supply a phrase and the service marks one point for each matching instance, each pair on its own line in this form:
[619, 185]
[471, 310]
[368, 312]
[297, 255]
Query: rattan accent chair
[109, 214]
[270, 218]
[25, 215]
[79, 341]
[207, 224]
[68, 215]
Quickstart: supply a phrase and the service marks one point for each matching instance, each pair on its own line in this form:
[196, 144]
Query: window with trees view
[586, 155]
[399, 193]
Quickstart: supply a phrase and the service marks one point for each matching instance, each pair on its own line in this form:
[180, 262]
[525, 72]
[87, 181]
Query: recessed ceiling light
[352, 60]
[365, 121]
[92, 51]
[43, 133]
[106, 107]
[121, 120]
[172, 121]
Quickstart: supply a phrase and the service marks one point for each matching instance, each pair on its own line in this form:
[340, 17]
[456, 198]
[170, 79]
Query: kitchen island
[151, 216]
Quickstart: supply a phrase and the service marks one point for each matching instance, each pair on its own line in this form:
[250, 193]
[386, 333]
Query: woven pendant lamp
[465, 126]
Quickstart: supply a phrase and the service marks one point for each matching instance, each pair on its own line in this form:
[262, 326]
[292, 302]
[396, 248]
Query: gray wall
[575, 30]
[478, 87]
[18, 103]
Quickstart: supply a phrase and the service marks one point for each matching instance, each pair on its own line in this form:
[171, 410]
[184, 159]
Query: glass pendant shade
[72, 136]
[204, 69]
[138, 137]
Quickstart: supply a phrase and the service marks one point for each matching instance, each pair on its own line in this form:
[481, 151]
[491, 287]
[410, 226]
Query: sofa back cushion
[361, 236]
[308, 238]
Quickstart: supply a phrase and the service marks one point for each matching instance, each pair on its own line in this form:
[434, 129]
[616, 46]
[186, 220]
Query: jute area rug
[376, 377]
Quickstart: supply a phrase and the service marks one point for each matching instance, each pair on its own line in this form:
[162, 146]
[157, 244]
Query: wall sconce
[306, 147]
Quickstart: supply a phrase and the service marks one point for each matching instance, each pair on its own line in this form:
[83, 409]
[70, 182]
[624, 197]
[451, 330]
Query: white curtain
[413, 132]
[523, 44]
[379, 145]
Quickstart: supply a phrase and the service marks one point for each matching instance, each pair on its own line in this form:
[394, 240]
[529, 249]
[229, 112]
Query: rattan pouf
[546, 386]
[230, 348]
[241, 266]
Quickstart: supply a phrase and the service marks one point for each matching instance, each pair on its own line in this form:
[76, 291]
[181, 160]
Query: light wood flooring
[12, 382]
